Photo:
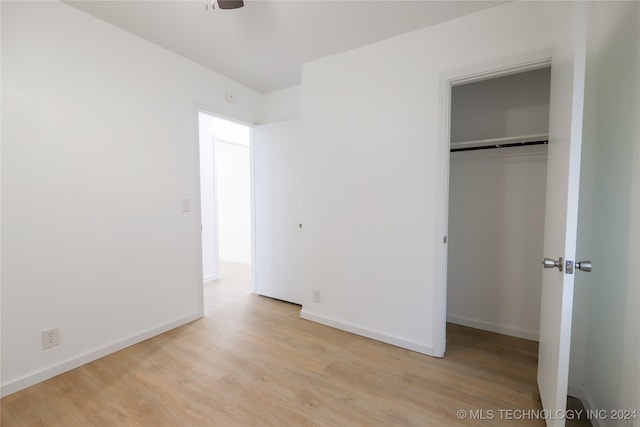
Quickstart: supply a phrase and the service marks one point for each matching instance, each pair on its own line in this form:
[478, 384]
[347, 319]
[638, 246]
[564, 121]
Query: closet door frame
[514, 65]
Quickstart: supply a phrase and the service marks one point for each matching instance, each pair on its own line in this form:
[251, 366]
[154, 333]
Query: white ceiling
[264, 44]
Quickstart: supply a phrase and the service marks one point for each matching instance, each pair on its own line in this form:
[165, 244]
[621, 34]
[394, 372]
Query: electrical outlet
[186, 205]
[50, 338]
[316, 296]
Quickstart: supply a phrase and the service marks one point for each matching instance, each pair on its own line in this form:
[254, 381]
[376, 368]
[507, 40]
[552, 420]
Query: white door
[561, 216]
[278, 244]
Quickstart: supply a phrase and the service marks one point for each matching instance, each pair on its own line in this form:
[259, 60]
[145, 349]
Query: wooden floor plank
[252, 361]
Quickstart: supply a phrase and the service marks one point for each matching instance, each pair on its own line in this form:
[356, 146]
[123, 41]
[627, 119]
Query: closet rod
[511, 144]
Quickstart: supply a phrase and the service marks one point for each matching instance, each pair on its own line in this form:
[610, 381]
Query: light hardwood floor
[252, 361]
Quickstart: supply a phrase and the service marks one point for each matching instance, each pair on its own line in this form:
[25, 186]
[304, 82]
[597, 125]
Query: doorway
[497, 188]
[225, 195]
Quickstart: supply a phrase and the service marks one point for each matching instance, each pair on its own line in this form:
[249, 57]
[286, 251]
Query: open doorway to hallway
[225, 194]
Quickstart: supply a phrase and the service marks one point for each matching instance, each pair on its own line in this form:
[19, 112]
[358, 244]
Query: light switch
[186, 205]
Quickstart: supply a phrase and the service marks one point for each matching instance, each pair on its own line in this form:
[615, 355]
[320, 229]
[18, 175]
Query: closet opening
[497, 189]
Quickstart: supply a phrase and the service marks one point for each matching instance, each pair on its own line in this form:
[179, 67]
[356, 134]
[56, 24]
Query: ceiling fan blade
[230, 4]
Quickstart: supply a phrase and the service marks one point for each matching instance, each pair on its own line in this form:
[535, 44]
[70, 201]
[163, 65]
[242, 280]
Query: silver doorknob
[551, 263]
[584, 265]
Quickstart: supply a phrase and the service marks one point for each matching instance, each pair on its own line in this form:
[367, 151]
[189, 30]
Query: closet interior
[497, 187]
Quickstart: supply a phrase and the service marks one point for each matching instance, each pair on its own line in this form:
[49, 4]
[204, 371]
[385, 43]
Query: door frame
[213, 141]
[211, 112]
[514, 65]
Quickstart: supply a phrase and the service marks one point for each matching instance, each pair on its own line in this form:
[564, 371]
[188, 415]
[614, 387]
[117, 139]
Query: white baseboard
[493, 327]
[587, 401]
[52, 371]
[210, 278]
[237, 260]
[589, 404]
[378, 336]
[576, 391]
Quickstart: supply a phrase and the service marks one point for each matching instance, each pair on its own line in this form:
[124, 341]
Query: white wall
[375, 168]
[100, 146]
[496, 224]
[0, 201]
[225, 192]
[280, 105]
[605, 364]
[513, 105]
[233, 175]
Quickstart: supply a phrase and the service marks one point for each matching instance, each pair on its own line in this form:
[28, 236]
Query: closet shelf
[499, 142]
